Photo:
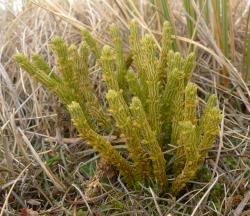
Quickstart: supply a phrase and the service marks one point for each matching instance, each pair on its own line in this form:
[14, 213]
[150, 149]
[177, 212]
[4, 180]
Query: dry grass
[45, 167]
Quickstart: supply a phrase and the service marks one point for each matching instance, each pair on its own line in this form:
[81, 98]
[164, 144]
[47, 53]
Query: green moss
[217, 195]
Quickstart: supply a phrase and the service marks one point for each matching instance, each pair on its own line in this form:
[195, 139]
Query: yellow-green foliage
[120, 111]
[151, 103]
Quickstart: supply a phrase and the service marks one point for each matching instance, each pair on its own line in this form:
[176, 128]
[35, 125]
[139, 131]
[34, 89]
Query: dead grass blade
[11, 189]
[58, 184]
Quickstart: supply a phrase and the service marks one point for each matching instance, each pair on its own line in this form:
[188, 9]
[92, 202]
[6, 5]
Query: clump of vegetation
[151, 103]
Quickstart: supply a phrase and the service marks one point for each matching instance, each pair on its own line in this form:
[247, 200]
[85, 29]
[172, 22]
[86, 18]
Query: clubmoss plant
[151, 103]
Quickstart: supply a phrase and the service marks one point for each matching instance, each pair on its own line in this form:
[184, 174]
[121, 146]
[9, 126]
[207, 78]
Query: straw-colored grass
[40, 152]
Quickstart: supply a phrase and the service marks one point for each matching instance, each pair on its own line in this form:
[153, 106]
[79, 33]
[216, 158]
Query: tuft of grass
[245, 63]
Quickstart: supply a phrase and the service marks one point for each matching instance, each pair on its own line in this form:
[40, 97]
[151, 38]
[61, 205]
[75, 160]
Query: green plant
[151, 103]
